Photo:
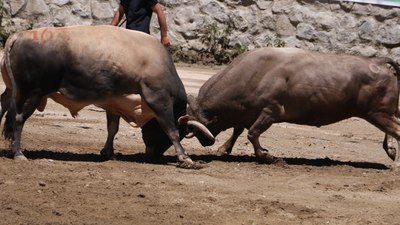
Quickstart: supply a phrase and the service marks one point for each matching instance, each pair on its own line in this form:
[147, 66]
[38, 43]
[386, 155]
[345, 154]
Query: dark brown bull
[273, 85]
[128, 73]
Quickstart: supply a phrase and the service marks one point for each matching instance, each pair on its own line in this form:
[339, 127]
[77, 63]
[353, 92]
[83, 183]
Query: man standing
[138, 16]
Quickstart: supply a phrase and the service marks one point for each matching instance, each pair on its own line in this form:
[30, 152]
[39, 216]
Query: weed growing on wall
[274, 40]
[4, 22]
[217, 49]
[217, 42]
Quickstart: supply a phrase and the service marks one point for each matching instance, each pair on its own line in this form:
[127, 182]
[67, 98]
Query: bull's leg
[24, 109]
[5, 102]
[16, 142]
[162, 105]
[226, 148]
[263, 122]
[167, 123]
[391, 146]
[389, 124]
[112, 128]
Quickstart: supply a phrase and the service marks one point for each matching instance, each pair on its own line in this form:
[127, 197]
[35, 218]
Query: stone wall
[328, 26]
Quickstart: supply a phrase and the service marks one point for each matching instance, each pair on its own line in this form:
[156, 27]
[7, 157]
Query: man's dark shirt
[138, 14]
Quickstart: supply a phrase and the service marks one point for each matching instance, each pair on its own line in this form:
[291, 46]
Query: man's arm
[162, 21]
[118, 16]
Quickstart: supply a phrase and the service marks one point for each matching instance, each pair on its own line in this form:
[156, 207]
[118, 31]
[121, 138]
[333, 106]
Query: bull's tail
[10, 124]
[2, 110]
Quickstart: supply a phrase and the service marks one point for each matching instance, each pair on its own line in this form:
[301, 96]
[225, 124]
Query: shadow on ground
[142, 158]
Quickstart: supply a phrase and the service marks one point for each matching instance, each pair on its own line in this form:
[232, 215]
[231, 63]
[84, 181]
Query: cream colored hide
[132, 108]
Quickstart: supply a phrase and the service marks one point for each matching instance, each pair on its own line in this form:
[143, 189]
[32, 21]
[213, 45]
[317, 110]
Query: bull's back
[265, 70]
[99, 44]
[109, 60]
[306, 84]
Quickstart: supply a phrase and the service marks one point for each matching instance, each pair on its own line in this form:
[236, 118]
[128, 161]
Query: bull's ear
[193, 106]
[191, 100]
[183, 119]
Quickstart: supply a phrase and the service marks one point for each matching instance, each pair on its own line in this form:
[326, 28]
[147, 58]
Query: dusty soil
[336, 174]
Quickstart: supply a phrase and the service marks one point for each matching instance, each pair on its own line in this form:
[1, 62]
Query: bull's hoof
[20, 157]
[268, 159]
[107, 155]
[392, 153]
[395, 167]
[186, 163]
[265, 157]
[390, 145]
[221, 151]
[193, 165]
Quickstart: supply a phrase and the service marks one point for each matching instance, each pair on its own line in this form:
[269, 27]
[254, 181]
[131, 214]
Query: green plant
[274, 40]
[180, 54]
[217, 43]
[215, 38]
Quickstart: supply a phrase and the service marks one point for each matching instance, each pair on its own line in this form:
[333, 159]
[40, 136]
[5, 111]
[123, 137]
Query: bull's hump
[128, 51]
[103, 37]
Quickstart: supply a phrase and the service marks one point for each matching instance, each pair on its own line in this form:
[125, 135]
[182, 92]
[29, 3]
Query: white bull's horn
[190, 135]
[201, 127]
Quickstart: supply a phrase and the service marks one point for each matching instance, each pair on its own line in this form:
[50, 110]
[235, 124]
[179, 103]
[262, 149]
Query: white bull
[128, 73]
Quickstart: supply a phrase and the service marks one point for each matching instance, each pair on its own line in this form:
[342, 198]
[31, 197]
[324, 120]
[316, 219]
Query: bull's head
[195, 124]
[195, 128]
[157, 142]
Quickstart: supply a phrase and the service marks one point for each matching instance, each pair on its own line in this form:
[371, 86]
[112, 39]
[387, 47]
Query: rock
[366, 30]
[239, 21]
[346, 37]
[336, 26]
[215, 10]
[284, 27]
[60, 2]
[102, 10]
[395, 54]
[282, 6]
[305, 31]
[36, 8]
[367, 51]
[16, 6]
[264, 5]
[389, 34]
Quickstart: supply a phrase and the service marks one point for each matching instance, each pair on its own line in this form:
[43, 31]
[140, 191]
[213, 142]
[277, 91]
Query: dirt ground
[337, 174]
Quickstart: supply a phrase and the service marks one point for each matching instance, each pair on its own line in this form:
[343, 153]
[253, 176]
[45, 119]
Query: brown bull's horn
[202, 128]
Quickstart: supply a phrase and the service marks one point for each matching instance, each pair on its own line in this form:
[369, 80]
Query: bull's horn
[202, 128]
[190, 135]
